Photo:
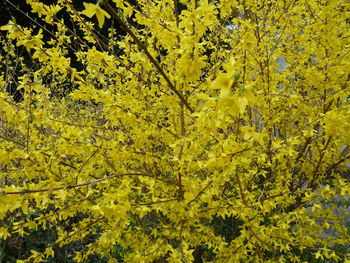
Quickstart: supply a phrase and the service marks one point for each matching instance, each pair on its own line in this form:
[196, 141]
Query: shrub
[204, 131]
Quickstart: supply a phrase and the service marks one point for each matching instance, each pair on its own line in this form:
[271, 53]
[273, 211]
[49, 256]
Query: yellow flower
[91, 10]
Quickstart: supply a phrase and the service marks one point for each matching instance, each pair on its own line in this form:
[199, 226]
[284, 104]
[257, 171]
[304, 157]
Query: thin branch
[241, 189]
[155, 202]
[301, 152]
[110, 164]
[43, 27]
[66, 187]
[330, 168]
[201, 192]
[142, 47]
[90, 157]
[314, 177]
[12, 140]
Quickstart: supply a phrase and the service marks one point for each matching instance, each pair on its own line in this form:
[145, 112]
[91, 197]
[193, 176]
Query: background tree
[206, 131]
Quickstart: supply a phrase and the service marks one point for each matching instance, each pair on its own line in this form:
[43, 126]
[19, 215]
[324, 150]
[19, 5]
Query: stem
[67, 187]
[142, 47]
[200, 193]
[181, 191]
[241, 189]
[307, 142]
[155, 202]
[322, 153]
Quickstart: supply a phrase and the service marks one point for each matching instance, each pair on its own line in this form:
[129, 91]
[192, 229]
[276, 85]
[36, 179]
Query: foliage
[208, 131]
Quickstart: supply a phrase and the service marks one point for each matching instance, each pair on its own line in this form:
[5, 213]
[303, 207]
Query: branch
[241, 189]
[142, 47]
[201, 192]
[66, 187]
[319, 163]
[155, 202]
[334, 165]
[12, 140]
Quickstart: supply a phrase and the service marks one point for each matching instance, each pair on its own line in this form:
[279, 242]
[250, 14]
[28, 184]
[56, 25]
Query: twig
[201, 192]
[11, 140]
[155, 202]
[241, 189]
[66, 187]
[142, 47]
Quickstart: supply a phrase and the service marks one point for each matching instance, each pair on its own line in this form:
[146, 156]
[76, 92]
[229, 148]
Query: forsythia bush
[207, 131]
